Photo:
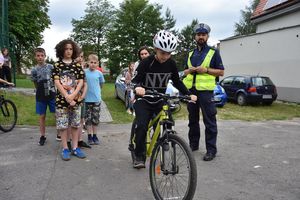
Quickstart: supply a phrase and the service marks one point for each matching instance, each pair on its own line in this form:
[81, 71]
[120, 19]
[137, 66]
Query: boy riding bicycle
[153, 73]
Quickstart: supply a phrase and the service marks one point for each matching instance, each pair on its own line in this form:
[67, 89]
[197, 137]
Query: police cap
[201, 28]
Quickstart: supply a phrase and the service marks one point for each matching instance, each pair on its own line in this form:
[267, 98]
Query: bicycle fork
[168, 158]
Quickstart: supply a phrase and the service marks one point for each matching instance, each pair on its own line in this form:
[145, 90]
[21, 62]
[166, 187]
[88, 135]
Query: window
[272, 3]
[227, 81]
[239, 81]
[261, 81]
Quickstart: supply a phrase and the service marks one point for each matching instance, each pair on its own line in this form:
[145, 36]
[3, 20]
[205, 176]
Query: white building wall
[288, 20]
[275, 54]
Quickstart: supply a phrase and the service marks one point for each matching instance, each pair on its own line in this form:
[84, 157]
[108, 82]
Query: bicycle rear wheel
[173, 171]
[8, 115]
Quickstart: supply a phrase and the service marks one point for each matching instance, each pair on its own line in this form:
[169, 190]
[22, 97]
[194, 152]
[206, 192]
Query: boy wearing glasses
[95, 80]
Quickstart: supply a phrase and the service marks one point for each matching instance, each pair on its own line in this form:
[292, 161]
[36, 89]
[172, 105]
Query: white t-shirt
[1, 59]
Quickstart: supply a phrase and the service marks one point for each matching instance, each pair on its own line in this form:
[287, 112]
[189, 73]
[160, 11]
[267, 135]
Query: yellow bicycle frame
[150, 142]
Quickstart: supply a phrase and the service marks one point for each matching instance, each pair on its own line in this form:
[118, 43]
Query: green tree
[27, 20]
[169, 21]
[186, 38]
[89, 32]
[136, 23]
[245, 26]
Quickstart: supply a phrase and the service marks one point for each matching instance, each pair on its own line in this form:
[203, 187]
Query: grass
[26, 110]
[231, 111]
[277, 111]
[116, 106]
[24, 83]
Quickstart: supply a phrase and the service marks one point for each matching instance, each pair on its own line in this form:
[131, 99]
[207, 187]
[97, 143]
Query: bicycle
[8, 114]
[173, 171]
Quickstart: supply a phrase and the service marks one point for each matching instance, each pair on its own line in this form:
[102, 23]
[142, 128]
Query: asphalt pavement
[255, 161]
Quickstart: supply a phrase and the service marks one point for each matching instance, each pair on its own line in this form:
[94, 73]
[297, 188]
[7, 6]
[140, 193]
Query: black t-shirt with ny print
[153, 75]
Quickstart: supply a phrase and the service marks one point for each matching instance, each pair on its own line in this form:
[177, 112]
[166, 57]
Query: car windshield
[261, 81]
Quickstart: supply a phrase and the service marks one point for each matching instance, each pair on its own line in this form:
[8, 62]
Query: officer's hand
[140, 91]
[193, 98]
[193, 69]
[201, 70]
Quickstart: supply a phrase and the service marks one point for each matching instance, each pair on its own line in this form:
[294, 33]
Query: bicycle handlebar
[155, 94]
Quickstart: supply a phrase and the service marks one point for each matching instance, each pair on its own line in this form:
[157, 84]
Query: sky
[220, 15]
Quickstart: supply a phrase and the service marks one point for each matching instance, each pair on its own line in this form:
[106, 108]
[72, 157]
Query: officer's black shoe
[209, 156]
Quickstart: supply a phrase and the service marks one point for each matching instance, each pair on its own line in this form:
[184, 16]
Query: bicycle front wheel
[8, 115]
[173, 171]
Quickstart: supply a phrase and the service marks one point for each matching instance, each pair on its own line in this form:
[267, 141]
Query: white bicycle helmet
[165, 41]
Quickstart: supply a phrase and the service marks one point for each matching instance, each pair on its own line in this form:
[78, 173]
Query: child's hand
[193, 98]
[73, 103]
[68, 98]
[140, 91]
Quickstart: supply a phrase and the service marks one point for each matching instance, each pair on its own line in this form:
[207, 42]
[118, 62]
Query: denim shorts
[68, 117]
[41, 106]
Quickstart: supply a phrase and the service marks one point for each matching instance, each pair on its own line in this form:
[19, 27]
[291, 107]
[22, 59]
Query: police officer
[203, 65]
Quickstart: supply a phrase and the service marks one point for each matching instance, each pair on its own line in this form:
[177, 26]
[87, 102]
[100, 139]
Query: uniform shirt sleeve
[216, 61]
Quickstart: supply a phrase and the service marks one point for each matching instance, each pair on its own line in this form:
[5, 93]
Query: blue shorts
[41, 106]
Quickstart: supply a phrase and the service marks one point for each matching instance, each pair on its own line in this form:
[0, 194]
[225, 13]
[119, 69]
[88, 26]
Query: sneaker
[78, 153]
[129, 112]
[42, 140]
[66, 154]
[83, 144]
[139, 163]
[58, 137]
[96, 140]
[90, 139]
[69, 145]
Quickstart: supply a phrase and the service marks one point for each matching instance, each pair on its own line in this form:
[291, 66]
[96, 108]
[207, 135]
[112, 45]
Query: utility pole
[4, 24]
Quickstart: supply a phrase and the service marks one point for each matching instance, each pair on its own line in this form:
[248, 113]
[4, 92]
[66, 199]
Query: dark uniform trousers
[209, 111]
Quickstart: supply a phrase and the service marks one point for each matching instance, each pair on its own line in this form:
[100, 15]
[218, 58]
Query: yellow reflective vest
[203, 81]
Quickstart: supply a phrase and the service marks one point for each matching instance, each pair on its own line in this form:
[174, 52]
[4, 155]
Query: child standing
[81, 143]
[6, 73]
[45, 92]
[128, 77]
[68, 78]
[95, 80]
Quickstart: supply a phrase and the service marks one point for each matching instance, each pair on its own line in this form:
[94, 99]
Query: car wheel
[116, 94]
[241, 99]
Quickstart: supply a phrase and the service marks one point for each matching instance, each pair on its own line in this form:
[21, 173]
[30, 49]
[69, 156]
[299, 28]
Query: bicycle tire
[8, 115]
[170, 187]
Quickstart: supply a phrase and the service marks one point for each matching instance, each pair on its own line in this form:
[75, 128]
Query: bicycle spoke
[8, 115]
[173, 180]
